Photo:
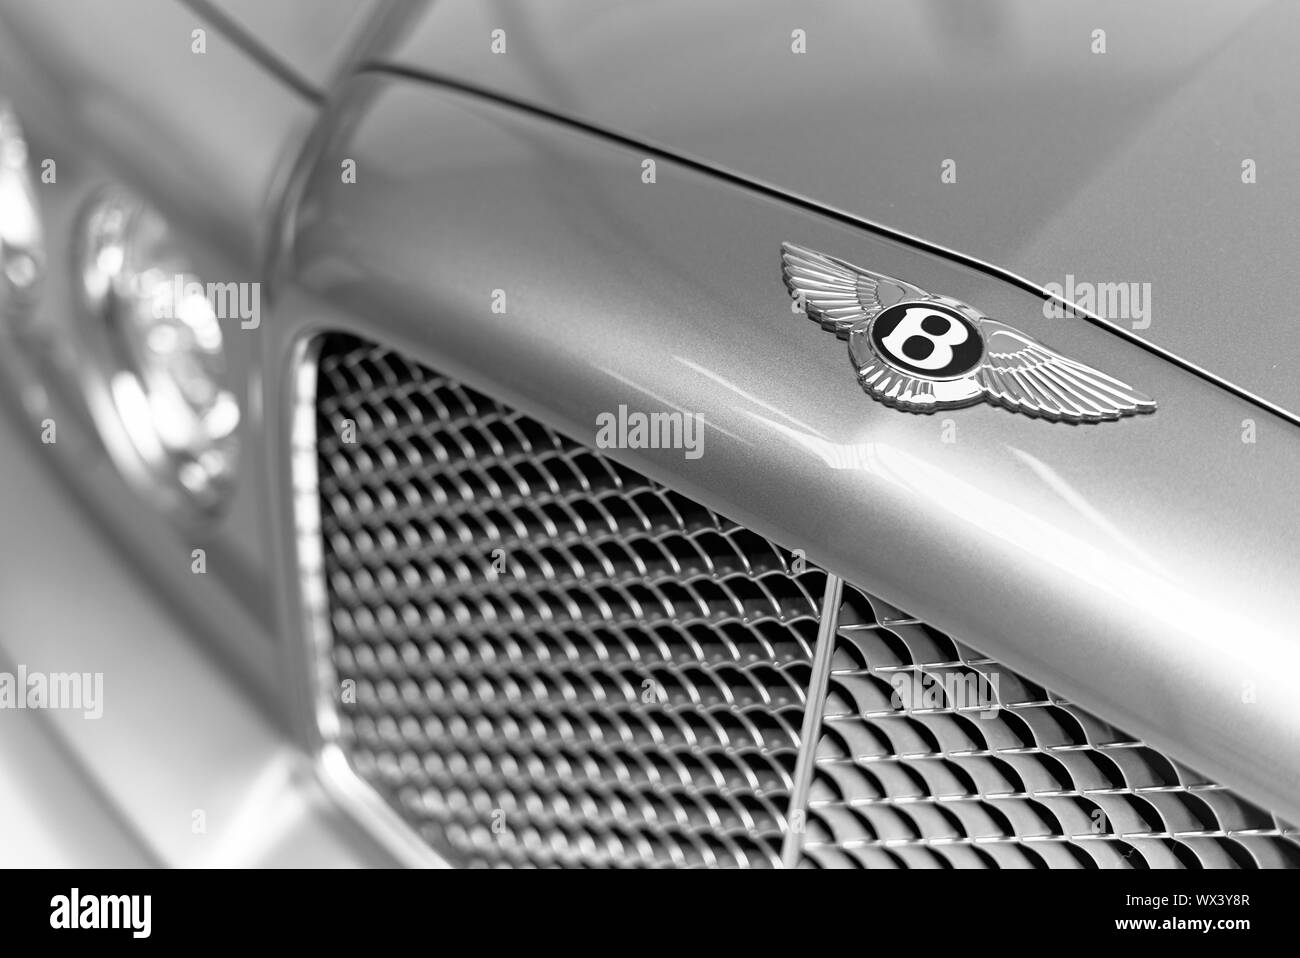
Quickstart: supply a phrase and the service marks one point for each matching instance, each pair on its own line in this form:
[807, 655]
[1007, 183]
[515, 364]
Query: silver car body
[1145, 568]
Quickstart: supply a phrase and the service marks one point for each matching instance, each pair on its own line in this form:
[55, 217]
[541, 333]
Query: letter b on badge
[941, 332]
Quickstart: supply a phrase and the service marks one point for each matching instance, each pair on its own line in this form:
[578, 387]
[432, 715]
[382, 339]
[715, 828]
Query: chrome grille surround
[642, 704]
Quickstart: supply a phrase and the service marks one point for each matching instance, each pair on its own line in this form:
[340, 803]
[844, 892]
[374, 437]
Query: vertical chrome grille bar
[814, 703]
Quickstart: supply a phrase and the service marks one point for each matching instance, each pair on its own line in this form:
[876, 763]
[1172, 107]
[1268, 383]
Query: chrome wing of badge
[922, 352]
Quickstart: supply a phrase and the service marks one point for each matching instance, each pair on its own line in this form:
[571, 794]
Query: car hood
[999, 131]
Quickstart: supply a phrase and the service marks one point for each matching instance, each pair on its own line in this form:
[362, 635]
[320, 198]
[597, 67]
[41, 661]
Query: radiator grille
[556, 660]
[540, 657]
[983, 768]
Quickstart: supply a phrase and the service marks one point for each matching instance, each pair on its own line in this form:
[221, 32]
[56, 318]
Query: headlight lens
[156, 336]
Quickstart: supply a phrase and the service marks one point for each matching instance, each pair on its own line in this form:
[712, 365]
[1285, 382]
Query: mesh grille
[557, 661]
[983, 768]
[560, 662]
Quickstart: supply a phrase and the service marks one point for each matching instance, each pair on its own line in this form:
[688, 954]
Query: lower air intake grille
[556, 661]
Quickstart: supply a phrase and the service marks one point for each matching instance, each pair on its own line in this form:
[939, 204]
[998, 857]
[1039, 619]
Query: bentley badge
[922, 352]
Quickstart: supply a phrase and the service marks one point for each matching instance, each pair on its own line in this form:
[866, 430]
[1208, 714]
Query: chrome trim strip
[814, 703]
[355, 795]
[253, 47]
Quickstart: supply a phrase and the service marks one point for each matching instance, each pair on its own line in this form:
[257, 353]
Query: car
[430, 439]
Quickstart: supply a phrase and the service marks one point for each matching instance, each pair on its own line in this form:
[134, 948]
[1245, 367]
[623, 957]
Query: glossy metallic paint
[1116, 167]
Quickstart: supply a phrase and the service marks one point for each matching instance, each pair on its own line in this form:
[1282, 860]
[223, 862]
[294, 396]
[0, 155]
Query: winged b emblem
[921, 352]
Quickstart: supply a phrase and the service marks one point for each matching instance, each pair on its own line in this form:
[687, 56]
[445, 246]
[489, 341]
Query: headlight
[21, 240]
[155, 337]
